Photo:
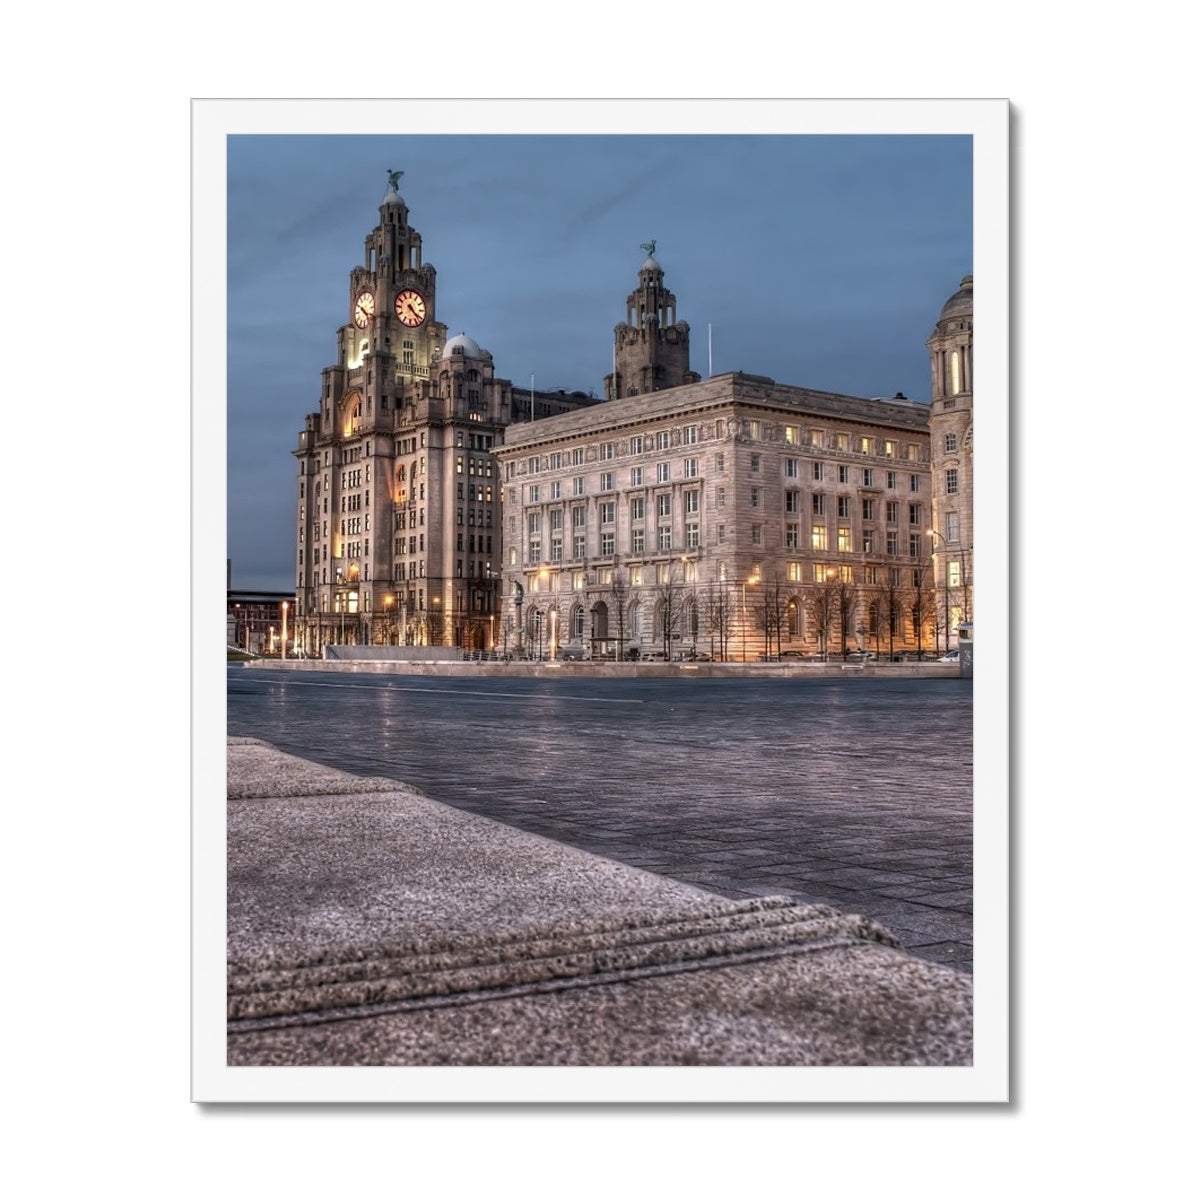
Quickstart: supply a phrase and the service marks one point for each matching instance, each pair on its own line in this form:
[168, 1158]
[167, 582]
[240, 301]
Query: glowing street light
[749, 582]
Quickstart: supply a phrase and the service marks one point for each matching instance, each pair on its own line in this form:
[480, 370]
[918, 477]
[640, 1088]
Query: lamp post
[945, 586]
[388, 601]
[283, 639]
[749, 582]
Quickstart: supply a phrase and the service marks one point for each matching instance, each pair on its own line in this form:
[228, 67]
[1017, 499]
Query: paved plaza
[855, 794]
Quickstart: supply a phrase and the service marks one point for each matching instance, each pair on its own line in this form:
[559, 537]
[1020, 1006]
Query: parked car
[951, 656]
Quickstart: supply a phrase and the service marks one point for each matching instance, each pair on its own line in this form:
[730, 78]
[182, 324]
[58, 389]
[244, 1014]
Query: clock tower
[398, 518]
[650, 350]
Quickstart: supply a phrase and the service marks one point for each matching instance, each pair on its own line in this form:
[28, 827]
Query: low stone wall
[615, 670]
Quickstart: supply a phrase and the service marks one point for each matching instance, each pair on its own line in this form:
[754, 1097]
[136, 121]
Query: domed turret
[462, 345]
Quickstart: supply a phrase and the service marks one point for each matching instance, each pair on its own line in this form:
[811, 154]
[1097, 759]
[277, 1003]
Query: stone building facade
[951, 430]
[734, 517]
[398, 504]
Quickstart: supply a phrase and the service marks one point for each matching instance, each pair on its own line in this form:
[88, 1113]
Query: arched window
[577, 624]
[635, 619]
[955, 374]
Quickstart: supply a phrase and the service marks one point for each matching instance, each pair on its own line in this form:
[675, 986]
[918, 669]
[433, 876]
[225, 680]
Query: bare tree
[771, 611]
[620, 595]
[923, 603]
[846, 601]
[718, 617]
[669, 594]
[821, 605]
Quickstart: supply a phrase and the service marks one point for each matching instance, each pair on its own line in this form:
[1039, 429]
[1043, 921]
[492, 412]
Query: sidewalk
[370, 925]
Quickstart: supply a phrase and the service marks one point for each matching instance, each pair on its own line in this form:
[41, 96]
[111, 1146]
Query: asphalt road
[855, 793]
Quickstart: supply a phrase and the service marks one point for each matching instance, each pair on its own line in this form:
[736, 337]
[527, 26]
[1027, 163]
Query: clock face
[410, 308]
[364, 309]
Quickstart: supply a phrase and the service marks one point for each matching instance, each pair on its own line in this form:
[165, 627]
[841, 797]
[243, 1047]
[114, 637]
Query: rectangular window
[819, 538]
[556, 549]
[608, 512]
[914, 483]
[720, 533]
[720, 497]
[868, 542]
[843, 507]
[889, 449]
[893, 511]
[951, 481]
[950, 442]
[607, 450]
[816, 437]
[662, 440]
[791, 468]
[792, 501]
[914, 514]
[719, 461]
[693, 536]
[866, 445]
[690, 435]
[755, 496]
[818, 504]
[691, 468]
[792, 537]
[637, 508]
[664, 506]
[756, 462]
[691, 502]
[608, 542]
[845, 545]
[577, 457]
[579, 545]
[891, 480]
[893, 542]
[535, 552]
[868, 510]
[637, 541]
[556, 461]
[606, 481]
[556, 519]
[635, 476]
[843, 474]
[535, 493]
[635, 444]
[755, 429]
[756, 535]
[535, 465]
[791, 435]
[535, 522]
[868, 478]
[578, 517]
[914, 545]
[577, 486]
[954, 574]
[818, 469]
[556, 490]
[664, 472]
[952, 527]
[664, 537]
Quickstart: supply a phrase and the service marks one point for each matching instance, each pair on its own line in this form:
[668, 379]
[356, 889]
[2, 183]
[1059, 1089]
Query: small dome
[468, 347]
[962, 303]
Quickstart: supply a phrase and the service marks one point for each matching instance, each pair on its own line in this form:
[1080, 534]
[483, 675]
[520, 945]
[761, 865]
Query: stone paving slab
[370, 925]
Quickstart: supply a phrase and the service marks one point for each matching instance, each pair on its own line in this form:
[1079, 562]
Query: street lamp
[945, 585]
[388, 601]
[749, 582]
[283, 639]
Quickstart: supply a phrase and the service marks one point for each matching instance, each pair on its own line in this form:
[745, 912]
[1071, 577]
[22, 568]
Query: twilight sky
[818, 260]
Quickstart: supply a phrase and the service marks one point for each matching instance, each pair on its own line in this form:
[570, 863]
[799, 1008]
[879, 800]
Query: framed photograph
[592, 502]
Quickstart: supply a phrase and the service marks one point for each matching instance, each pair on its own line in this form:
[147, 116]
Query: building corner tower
[650, 350]
[951, 421]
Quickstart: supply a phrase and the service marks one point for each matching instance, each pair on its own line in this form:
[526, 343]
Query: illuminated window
[819, 538]
[844, 543]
